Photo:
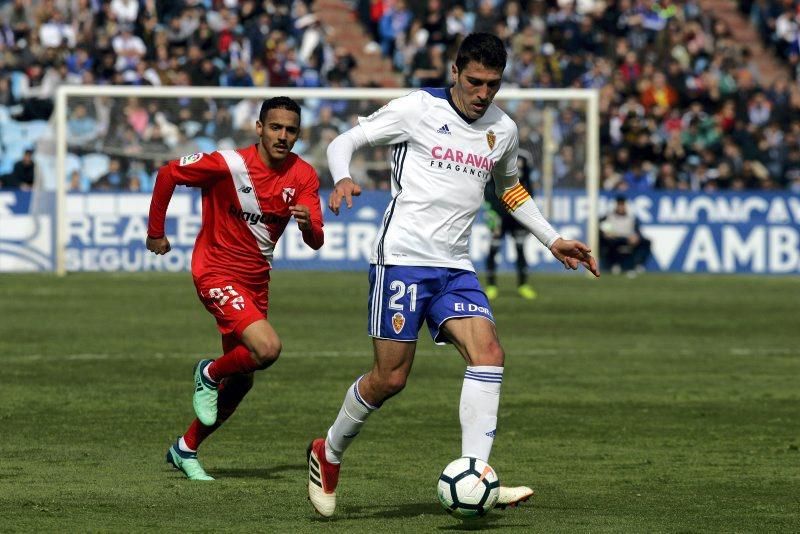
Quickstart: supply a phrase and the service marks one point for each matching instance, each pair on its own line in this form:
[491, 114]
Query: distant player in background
[447, 144]
[249, 196]
[502, 223]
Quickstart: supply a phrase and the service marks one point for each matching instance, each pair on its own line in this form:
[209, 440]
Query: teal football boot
[187, 462]
[205, 395]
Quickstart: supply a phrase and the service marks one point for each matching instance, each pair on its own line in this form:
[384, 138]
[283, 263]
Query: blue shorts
[401, 298]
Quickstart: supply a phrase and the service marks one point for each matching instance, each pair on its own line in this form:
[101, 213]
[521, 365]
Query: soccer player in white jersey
[447, 144]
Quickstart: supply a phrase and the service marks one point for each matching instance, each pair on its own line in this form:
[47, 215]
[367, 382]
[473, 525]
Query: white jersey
[441, 162]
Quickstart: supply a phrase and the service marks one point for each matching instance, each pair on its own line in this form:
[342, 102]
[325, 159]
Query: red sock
[233, 362]
[231, 393]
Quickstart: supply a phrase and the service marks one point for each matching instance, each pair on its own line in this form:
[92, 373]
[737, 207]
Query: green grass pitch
[660, 404]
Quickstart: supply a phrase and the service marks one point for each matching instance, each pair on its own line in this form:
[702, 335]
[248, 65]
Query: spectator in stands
[125, 11]
[21, 175]
[129, 48]
[37, 88]
[56, 32]
[664, 55]
[428, 68]
[18, 16]
[486, 18]
[622, 245]
[7, 97]
[81, 128]
[393, 25]
[343, 65]
[638, 178]
[458, 22]
[113, 180]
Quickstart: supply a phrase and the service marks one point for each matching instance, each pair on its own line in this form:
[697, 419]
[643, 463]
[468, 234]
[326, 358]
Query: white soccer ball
[468, 488]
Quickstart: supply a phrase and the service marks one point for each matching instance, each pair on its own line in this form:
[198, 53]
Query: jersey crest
[191, 158]
[398, 322]
[288, 194]
[490, 139]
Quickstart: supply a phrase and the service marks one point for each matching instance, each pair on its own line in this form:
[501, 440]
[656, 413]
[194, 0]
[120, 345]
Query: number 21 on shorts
[399, 290]
[219, 294]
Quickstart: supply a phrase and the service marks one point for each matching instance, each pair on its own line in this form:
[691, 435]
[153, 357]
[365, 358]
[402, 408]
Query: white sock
[480, 397]
[183, 446]
[351, 418]
[205, 374]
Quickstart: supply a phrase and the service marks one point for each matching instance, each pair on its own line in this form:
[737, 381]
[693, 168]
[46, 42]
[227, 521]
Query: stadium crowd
[683, 106]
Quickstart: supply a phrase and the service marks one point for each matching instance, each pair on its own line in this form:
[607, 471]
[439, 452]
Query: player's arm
[340, 152]
[306, 211]
[393, 123]
[518, 202]
[196, 170]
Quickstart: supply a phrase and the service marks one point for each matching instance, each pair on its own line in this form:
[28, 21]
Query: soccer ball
[468, 488]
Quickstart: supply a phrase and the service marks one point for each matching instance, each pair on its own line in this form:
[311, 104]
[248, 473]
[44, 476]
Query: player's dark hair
[483, 48]
[278, 102]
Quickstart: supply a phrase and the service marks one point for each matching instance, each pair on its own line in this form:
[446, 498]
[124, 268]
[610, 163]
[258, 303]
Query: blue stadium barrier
[756, 232]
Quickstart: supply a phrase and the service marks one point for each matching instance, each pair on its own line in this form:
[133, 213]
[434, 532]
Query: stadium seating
[634, 53]
[94, 165]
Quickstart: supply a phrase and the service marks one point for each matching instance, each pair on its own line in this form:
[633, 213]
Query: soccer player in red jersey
[249, 196]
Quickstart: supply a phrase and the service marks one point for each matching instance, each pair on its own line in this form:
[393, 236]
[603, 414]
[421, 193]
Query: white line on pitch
[622, 351]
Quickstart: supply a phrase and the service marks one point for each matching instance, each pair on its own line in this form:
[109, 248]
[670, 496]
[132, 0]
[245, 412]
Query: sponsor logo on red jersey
[255, 218]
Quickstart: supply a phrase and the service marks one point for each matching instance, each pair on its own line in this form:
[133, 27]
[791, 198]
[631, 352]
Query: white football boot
[323, 477]
[513, 497]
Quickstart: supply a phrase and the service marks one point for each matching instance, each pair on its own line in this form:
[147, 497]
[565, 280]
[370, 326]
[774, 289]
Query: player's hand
[345, 190]
[158, 246]
[302, 215]
[573, 253]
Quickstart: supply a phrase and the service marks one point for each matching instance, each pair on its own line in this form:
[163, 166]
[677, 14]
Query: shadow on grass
[261, 473]
[408, 510]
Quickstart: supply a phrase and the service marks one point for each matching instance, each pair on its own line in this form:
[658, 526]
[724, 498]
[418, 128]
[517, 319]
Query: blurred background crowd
[685, 105]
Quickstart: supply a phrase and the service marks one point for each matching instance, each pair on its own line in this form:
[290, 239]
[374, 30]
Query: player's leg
[259, 348]
[386, 379]
[476, 341]
[463, 317]
[640, 253]
[231, 392]
[183, 454]
[388, 376]
[398, 301]
[240, 312]
[524, 289]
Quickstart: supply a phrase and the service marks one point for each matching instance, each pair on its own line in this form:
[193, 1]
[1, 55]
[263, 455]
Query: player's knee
[389, 384]
[393, 383]
[492, 354]
[267, 352]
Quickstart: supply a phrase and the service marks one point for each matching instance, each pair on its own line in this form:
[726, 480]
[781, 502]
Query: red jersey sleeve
[194, 170]
[309, 196]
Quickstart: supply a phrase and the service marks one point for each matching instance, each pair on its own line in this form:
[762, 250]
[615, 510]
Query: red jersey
[245, 209]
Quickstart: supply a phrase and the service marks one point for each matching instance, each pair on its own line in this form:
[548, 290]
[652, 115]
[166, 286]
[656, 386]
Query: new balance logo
[444, 130]
[245, 189]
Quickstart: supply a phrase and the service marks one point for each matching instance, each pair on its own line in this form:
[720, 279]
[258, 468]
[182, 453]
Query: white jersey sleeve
[394, 122]
[505, 171]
